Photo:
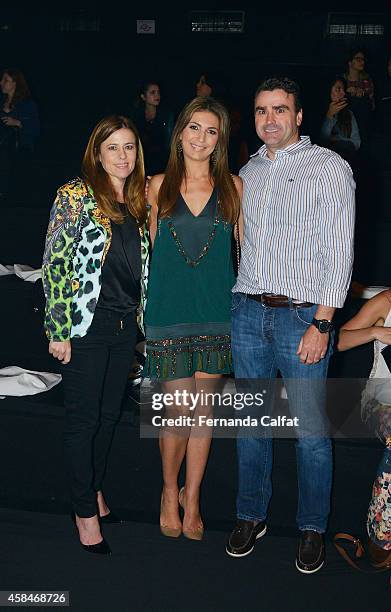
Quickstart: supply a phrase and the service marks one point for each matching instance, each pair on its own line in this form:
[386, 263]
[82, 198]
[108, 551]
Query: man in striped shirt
[295, 269]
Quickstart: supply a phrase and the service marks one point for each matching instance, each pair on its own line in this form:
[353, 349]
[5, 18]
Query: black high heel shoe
[102, 548]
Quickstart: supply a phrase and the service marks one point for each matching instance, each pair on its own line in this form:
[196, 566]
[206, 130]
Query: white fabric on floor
[370, 292]
[4, 270]
[24, 272]
[17, 381]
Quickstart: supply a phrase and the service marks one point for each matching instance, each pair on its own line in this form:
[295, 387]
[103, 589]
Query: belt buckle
[271, 299]
[266, 296]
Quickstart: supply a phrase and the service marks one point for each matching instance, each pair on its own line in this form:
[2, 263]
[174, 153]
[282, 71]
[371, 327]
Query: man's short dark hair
[287, 85]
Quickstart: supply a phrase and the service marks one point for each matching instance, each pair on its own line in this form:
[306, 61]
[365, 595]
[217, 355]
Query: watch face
[324, 326]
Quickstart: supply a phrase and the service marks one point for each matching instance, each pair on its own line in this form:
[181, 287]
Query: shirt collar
[301, 144]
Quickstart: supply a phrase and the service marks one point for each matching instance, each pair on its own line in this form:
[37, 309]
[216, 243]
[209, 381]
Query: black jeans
[94, 383]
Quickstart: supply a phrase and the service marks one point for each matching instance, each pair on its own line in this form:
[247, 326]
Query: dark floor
[147, 571]
[150, 572]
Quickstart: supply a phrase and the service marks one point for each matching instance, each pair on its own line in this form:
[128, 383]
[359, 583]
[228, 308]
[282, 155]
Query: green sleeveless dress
[188, 312]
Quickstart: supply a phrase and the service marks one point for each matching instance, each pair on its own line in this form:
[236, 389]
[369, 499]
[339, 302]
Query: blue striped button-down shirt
[298, 224]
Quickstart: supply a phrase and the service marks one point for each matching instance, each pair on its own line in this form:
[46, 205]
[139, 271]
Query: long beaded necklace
[193, 262]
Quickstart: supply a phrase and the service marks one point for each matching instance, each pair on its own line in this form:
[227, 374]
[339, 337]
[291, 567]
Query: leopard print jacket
[77, 241]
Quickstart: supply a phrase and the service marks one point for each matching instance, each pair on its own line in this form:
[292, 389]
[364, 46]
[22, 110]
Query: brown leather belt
[276, 301]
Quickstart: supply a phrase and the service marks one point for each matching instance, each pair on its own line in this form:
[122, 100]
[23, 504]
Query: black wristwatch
[323, 325]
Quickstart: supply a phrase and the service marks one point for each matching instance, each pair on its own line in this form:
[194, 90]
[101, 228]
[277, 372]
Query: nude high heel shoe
[169, 532]
[191, 534]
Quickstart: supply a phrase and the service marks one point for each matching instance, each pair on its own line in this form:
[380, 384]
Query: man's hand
[313, 346]
[61, 350]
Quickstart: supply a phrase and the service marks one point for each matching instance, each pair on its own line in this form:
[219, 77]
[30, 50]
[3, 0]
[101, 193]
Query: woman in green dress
[194, 207]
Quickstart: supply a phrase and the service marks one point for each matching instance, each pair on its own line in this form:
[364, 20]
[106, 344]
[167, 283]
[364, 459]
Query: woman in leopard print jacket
[93, 277]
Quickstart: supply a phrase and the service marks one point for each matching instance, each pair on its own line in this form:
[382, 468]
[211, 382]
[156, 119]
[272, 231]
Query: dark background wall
[78, 76]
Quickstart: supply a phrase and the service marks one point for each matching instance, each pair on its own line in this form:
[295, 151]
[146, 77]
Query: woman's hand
[335, 107]
[11, 122]
[61, 350]
[368, 324]
[383, 334]
[239, 188]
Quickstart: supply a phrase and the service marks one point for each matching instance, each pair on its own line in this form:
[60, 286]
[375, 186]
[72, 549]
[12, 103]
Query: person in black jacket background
[19, 128]
[155, 125]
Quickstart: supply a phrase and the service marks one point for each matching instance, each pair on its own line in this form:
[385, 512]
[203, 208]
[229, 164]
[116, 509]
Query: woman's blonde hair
[96, 176]
[229, 202]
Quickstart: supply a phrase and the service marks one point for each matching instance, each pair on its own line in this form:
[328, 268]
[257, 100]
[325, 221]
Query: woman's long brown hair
[344, 116]
[98, 179]
[229, 201]
[22, 91]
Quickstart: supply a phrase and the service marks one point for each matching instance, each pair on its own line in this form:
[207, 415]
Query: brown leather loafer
[241, 542]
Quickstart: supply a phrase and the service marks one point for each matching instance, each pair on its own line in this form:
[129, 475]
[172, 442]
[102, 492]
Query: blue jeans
[265, 340]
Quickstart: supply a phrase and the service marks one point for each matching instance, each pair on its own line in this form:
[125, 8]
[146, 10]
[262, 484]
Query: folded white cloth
[370, 292]
[17, 381]
[24, 272]
[4, 270]
[27, 273]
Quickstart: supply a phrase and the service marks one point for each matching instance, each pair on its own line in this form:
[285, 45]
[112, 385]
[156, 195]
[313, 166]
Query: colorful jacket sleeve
[57, 269]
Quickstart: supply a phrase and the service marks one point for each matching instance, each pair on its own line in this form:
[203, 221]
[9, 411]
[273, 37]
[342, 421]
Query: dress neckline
[203, 208]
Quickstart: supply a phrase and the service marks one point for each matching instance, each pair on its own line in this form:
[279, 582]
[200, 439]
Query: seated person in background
[339, 130]
[212, 83]
[361, 92]
[373, 323]
[19, 127]
[19, 109]
[155, 124]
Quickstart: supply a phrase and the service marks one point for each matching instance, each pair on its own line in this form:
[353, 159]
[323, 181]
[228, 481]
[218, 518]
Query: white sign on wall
[145, 26]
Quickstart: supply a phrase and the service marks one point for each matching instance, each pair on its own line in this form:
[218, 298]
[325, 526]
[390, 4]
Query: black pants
[94, 383]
